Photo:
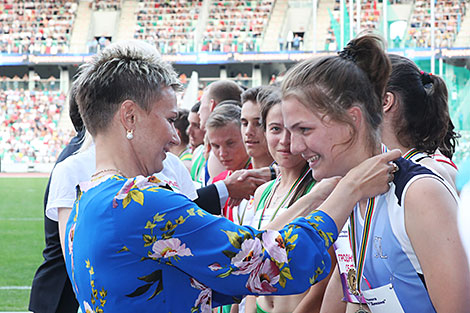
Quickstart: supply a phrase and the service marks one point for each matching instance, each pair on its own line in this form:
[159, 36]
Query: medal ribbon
[196, 170]
[247, 164]
[410, 154]
[287, 196]
[365, 239]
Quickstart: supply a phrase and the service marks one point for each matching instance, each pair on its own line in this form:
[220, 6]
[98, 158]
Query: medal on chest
[355, 274]
[352, 281]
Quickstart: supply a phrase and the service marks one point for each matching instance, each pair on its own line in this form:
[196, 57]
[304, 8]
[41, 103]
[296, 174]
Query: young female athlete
[416, 117]
[408, 256]
[275, 197]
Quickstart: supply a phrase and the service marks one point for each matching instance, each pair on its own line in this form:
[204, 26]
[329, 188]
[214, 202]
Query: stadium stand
[28, 126]
[449, 17]
[41, 27]
[175, 26]
[170, 24]
[370, 17]
[236, 25]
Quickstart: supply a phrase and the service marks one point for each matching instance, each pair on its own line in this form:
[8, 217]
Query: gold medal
[352, 282]
[361, 310]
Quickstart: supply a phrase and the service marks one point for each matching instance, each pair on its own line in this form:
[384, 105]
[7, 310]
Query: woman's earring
[130, 135]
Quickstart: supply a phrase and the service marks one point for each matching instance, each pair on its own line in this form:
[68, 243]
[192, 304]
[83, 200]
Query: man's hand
[260, 173]
[242, 184]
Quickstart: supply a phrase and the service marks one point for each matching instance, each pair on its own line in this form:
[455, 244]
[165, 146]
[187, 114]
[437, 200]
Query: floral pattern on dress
[161, 238]
[131, 190]
[264, 273]
[168, 248]
[264, 277]
[164, 249]
[98, 298]
[203, 302]
[328, 238]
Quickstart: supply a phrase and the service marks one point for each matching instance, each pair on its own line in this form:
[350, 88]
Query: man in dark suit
[51, 291]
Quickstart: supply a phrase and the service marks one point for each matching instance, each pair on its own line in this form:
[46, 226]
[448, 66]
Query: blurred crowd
[236, 25]
[449, 15]
[42, 27]
[169, 25]
[28, 126]
[232, 25]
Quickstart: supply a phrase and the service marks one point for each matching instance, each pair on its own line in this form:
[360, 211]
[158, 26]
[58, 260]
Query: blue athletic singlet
[390, 257]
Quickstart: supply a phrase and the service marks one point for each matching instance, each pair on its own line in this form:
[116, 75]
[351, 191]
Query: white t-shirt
[79, 168]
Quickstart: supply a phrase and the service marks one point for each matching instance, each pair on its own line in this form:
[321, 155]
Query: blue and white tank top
[390, 258]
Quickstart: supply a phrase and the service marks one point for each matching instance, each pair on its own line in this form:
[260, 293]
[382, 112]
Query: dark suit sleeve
[51, 291]
[208, 199]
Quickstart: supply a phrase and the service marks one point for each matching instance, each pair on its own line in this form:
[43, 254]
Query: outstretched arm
[368, 179]
[304, 205]
[237, 260]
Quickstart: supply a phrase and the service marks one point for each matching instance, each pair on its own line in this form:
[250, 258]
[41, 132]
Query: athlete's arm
[431, 225]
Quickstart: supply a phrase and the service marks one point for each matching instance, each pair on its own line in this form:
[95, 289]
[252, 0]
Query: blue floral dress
[135, 246]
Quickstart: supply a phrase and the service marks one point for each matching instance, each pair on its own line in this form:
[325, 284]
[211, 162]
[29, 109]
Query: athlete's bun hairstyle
[331, 85]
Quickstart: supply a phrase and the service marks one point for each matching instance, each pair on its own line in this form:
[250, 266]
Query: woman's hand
[372, 176]
[368, 179]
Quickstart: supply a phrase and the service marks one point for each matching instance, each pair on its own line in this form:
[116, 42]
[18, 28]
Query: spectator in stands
[447, 14]
[296, 42]
[93, 46]
[280, 41]
[106, 5]
[236, 26]
[102, 42]
[29, 125]
[45, 29]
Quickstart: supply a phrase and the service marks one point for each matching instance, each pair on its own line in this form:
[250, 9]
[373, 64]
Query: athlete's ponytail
[423, 121]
